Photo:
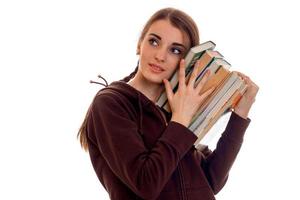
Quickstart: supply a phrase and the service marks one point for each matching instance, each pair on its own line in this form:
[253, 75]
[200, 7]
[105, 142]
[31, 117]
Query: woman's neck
[149, 89]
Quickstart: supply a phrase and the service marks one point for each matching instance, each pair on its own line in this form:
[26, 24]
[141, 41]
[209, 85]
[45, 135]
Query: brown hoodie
[136, 155]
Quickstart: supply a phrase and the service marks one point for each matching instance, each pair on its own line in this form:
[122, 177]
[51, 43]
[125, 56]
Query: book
[229, 88]
[227, 107]
[210, 59]
[216, 81]
[218, 67]
[190, 59]
[233, 84]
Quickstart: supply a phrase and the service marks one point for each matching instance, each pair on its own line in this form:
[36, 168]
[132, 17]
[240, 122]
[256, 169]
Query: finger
[169, 90]
[181, 74]
[253, 89]
[251, 83]
[248, 81]
[242, 75]
[206, 93]
[250, 93]
[203, 81]
[194, 75]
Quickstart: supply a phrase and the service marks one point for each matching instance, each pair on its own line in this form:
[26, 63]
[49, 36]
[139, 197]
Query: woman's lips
[155, 68]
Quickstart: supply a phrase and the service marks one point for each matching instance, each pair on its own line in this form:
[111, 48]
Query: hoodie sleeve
[144, 171]
[218, 163]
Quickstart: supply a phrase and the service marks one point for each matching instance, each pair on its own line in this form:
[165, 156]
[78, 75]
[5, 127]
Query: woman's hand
[188, 98]
[243, 107]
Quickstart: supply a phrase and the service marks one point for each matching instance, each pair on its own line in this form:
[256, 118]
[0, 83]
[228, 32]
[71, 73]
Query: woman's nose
[161, 55]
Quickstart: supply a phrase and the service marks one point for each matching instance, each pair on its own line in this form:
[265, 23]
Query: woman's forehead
[168, 32]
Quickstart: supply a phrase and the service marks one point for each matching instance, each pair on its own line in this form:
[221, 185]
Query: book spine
[227, 107]
[216, 81]
[235, 87]
[209, 99]
[212, 103]
[211, 123]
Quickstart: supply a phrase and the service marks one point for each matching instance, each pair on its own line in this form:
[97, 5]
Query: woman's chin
[155, 80]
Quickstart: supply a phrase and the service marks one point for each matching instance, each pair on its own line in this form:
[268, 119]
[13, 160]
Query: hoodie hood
[130, 92]
[137, 98]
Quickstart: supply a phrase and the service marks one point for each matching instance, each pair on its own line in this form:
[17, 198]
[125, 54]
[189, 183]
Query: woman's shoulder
[109, 98]
[115, 96]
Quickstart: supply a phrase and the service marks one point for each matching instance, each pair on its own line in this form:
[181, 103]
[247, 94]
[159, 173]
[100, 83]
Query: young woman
[140, 152]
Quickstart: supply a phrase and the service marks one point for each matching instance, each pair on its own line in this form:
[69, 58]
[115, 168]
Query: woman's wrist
[241, 112]
[180, 120]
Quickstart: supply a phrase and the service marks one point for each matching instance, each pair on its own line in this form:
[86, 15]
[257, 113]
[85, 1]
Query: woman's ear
[138, 50]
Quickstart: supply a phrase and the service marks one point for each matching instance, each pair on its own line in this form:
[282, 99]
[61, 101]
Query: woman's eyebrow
[178, 44]
[153, 34]
[174, 43]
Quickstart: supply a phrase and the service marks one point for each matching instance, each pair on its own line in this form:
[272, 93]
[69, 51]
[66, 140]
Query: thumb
[168, 88]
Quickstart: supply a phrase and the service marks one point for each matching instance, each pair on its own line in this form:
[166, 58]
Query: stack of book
[229, 87]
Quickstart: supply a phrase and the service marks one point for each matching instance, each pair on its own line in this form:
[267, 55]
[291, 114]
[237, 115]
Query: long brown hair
[180, 20]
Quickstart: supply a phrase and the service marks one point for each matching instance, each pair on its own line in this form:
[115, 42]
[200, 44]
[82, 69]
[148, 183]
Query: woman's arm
[144, 171]
[217, 164]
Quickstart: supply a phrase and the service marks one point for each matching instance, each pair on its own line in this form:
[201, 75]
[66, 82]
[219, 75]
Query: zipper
[161, 114]
[181, 178]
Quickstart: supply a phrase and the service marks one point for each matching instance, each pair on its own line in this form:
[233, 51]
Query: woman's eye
[176, 51]
[153, 42]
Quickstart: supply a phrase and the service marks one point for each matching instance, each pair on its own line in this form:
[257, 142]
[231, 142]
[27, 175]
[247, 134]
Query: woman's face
[161, 50]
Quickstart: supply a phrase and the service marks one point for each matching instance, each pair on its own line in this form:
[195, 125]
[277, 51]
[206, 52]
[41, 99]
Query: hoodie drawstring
[99, 76]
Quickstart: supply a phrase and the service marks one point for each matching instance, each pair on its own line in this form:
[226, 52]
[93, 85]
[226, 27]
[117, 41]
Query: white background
[49, 50]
